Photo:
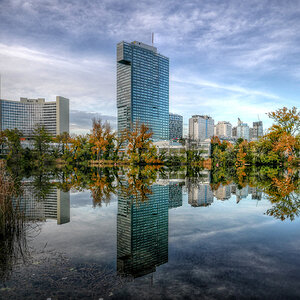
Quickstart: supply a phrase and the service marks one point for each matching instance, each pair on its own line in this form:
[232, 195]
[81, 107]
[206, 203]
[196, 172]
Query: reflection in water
[142, 232]
[145, 196]
[55, 204]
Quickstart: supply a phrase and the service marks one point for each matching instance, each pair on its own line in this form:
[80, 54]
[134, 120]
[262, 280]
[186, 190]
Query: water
[132, 234]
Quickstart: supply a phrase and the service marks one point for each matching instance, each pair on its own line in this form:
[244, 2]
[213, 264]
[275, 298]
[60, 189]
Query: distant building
[201, 127]
[28, 113]
[243, 130]
[143, 88]
[175, 126]
[234, 132]
[224, 129]
[257, 131]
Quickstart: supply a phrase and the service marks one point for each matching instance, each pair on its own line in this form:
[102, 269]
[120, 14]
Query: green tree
[13, 139]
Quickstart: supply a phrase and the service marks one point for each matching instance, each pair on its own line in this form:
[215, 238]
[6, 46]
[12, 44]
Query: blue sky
[228, 59]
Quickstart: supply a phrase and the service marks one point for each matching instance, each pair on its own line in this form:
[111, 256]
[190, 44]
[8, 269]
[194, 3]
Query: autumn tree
[102, 139]
[139, 143]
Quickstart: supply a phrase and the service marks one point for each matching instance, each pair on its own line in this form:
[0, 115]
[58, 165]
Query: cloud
[227, 59]
[81, 121]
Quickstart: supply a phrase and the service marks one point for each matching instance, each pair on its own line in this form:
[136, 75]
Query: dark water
[181, 238]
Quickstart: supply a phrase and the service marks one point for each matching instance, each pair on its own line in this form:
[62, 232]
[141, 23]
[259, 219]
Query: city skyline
[227, 60]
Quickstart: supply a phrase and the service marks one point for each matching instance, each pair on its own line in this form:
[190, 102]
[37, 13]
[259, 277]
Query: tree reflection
[13, 228]
[281, 187]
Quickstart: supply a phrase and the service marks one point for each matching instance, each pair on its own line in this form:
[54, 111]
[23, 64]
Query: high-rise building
[175, 126]
[243, 130]
[143, 88]
[27, 113]
[223, 129]
[201, 127]
[257, 131]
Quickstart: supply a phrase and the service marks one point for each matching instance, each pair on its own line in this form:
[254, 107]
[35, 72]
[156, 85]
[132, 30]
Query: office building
[142, 231]
[26, 114]
[234, 132]
[175, 126]
[257, 131]
[243, 131]
[142, 88]
[201, 127]
[223, 129]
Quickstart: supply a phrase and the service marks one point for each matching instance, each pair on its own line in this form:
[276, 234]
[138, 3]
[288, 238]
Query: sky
[228, 59]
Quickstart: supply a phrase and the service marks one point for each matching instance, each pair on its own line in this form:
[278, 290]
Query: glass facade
[143, 88]
[27, 113]
[142, 232]
[175, 126]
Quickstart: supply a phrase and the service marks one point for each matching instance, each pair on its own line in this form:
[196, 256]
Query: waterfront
[165, 235]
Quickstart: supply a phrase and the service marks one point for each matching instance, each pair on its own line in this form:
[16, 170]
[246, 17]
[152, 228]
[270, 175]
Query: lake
[155, 234]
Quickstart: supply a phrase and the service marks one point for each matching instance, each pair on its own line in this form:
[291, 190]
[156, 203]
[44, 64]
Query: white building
[201, 127]
[224, 129]
[27, 113]
[243, 130]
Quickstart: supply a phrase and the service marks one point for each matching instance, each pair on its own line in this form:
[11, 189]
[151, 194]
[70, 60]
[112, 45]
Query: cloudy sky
[228, 59]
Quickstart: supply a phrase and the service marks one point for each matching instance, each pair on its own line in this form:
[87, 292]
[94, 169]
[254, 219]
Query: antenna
[0, 86]
[152, 39]
[258, 117]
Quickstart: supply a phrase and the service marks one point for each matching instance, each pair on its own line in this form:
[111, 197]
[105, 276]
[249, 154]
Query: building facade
[224, 129]
[201, 127]
[243, 130]
[257, 130]
[142, 88]
[28, 113]
[175, 126]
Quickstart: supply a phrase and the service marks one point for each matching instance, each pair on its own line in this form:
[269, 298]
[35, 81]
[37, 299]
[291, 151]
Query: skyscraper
[27, 113]
[175, 126]
[143, 88]
[201, 127]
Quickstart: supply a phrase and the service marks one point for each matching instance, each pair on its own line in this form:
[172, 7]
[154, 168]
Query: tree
[139, 142]
[102, 139]
[41, 140]
[286, 120]
[13, 138]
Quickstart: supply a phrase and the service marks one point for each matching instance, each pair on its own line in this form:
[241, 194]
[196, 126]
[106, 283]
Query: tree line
[280, 145]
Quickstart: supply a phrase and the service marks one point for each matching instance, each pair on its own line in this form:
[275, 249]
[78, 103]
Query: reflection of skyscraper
[175, 195]
[200, 195]
[142, 232]
[56, 205]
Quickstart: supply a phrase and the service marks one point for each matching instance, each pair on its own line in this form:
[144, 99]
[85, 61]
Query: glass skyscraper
[142, 88]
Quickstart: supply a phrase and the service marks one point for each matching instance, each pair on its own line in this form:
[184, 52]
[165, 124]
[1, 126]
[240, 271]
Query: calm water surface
[181, 239]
